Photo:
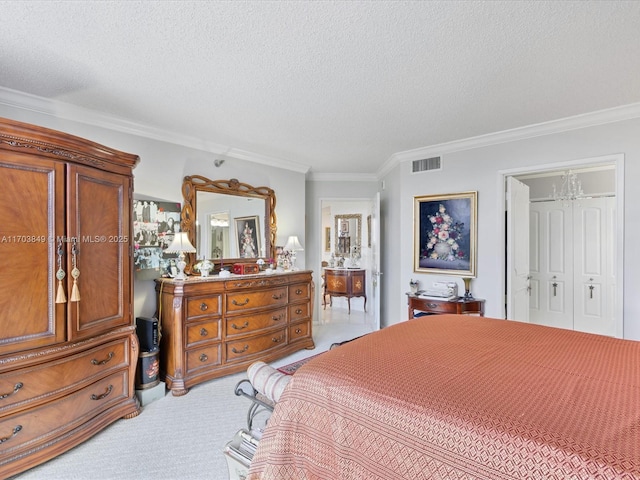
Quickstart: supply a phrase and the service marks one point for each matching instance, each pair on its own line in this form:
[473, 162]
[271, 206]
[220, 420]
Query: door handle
[75, 273]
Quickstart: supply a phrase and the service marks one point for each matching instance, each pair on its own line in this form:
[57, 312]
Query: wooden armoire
[68, 349]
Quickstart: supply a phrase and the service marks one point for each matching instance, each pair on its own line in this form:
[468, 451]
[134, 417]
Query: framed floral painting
[445, 234]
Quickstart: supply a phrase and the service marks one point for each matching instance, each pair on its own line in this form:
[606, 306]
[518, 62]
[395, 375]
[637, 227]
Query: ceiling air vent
[433, 163]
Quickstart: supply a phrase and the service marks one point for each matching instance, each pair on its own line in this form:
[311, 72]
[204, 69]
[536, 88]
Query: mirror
[228, 221]
[348, 232]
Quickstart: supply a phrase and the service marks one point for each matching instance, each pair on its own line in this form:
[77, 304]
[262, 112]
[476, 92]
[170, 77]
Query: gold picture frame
[445, 234]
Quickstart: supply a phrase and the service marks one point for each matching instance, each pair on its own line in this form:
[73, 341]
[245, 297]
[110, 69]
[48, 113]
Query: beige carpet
[174, 437]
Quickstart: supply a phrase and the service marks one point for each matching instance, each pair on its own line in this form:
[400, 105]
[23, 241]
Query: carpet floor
[174, 437]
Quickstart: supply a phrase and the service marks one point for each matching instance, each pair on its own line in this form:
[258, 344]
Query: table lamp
[180, 245]
[292, 246]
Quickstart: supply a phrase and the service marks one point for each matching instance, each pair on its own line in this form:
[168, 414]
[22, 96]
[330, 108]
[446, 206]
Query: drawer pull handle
[246, 347]
[204, 307]
[432, 305]
[102, 395]
[203, 332]
[203, 357]
[16, 429]
[103, 362]
[278, 297]
[278, 318]
[299, 311]
[17, 387]
[298, 330]
[234, 326]
[278, 339]
[299, 291]
[239, 304]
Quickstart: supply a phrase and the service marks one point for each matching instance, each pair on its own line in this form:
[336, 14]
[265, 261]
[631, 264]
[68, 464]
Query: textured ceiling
[339, 86]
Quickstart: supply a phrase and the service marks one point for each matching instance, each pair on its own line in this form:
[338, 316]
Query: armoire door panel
[28, 246]
[101, 224]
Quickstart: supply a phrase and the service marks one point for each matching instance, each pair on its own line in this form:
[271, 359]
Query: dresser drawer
[436, 306]
[199, 306]
[300, 291]
[27, 387]
[203, 332]
[39, 425]
[244, 301]
[298, 312]
[242, 325]
[240, 349]
[300, 330]
[203, 358]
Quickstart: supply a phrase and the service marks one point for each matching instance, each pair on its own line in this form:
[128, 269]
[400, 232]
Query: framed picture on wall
[154, 225]
[327, 239]
[445, 234]
[248, 235]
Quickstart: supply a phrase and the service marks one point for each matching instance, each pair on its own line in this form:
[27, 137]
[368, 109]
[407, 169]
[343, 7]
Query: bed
[459, 397]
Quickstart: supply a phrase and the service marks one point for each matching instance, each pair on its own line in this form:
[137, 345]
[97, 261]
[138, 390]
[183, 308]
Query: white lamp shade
[180, 243]
[293, 244]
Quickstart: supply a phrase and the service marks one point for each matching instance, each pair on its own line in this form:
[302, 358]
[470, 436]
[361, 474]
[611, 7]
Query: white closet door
[551, 264]
[594, 273]
[518, 275]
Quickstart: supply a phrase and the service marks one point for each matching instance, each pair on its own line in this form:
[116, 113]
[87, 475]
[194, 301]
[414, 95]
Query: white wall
[161, 170]
[477, 169]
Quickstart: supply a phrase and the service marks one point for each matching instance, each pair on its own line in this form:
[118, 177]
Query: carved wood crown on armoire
[68, 349]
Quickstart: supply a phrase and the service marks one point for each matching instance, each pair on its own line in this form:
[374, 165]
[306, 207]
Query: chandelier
[570, 188]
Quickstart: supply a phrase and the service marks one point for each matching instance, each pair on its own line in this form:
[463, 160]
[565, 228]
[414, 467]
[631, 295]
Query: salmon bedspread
[458, 397]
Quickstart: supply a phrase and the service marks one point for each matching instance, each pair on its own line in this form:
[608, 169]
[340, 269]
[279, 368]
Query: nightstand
[460, 305]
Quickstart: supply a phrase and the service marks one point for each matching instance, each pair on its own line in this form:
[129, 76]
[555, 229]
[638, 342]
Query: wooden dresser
[345, 282]
[214, 326]
[68, 349]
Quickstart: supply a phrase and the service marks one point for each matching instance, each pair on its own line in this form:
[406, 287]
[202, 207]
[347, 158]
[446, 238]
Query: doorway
[352, 221]
[569, 269]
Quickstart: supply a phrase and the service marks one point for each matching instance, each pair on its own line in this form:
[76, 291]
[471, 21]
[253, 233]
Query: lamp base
[467, 289]
[181, 264]
[293, 261]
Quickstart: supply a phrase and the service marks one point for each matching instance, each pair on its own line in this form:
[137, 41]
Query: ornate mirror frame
[193, 184]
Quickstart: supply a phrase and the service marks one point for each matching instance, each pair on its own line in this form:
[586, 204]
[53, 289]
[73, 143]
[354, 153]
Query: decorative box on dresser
[214, 326]
[68, 348]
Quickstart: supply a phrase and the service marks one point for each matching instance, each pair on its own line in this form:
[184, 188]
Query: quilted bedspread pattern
[456, 397]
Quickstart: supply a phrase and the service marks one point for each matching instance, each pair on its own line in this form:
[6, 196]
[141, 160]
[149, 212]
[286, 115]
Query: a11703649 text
[63, 239]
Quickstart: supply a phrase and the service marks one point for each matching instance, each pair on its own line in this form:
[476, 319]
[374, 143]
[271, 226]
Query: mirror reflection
[228, 221]
[348, 233]
[229, 227]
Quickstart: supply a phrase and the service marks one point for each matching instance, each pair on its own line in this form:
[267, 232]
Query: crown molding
[55, 108]
[600, 117]
[342, 177]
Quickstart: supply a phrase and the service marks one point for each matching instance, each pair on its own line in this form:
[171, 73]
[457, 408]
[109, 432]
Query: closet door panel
[551, 278]
[100, 223]
[31, 219]
[591, 267]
